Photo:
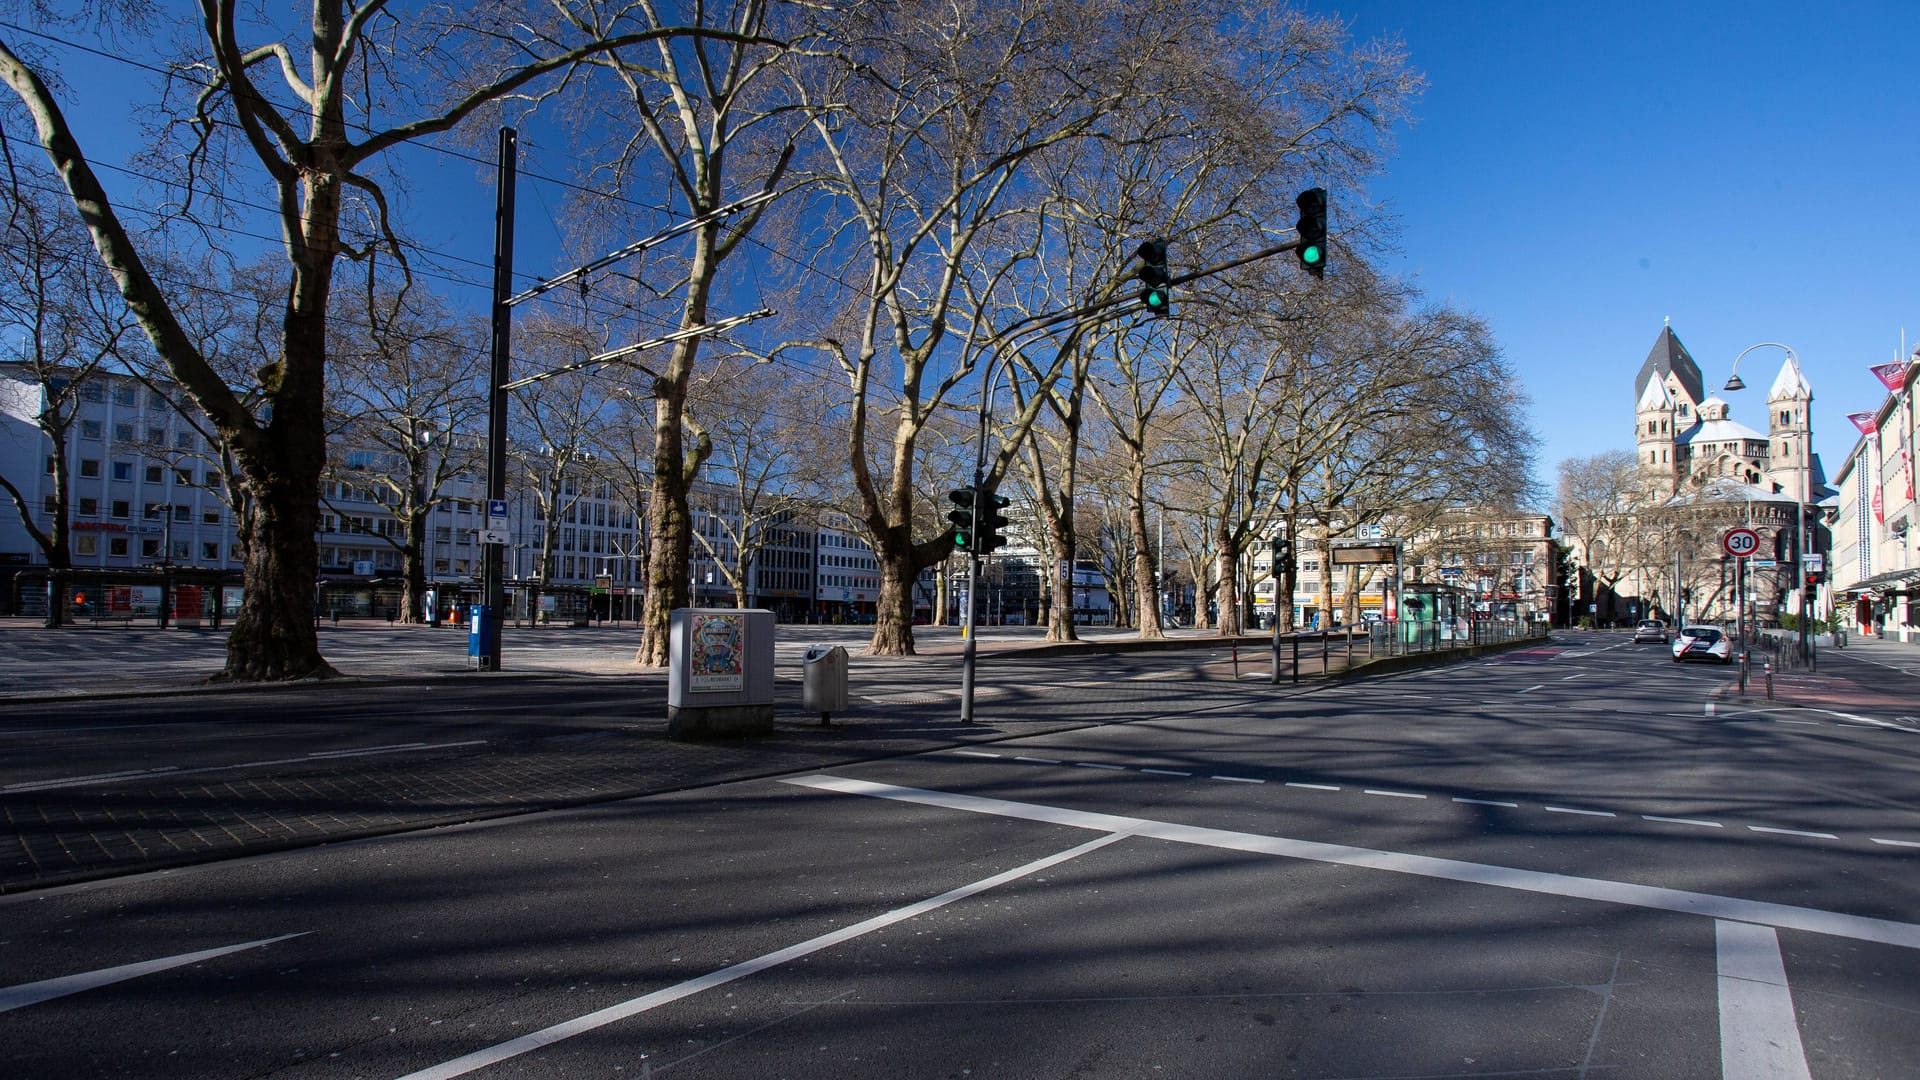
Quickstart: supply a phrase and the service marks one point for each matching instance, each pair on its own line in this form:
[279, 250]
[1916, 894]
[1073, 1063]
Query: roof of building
[1790, 384]
[1655, 396]
[1669, 355]
[1719, 429]
[1725, 489]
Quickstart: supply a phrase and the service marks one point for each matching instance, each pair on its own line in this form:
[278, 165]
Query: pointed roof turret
[1655, 396]
[1790, 384]
[1670, 357]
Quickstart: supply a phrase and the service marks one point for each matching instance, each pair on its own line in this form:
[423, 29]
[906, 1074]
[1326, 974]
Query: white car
[1702, 643]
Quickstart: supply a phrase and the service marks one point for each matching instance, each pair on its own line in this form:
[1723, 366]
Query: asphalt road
[1560, 862]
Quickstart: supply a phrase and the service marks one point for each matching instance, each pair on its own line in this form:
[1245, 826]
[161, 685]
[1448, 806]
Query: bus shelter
[1434, 615]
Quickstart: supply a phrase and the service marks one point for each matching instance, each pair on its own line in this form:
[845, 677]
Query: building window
[90, 467]
[123, 433]
[50, 464]
[181, 548]
[155, 475]
[90, 429]
[210, 551]
[183, 440]
[156, 400]
[123, 396]
[123, 470]
[121, 508]
[86, 544]
[210, 517]
[156, 436]
[149, 549]
[183, 477]
[117, 546]
[155, 511]
[182, 513]
[89, 507]
[92, 393]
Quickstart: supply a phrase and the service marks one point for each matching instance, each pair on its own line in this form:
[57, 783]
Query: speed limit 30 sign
[1740, 542]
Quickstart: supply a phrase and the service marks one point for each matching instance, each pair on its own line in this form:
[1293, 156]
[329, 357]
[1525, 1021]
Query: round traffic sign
[1740, 542]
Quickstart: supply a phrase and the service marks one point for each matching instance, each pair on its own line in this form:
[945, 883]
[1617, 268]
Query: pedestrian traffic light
[1312, 227]
[992, 522]
[962, 518]
[1815, 577]
[1157, 296]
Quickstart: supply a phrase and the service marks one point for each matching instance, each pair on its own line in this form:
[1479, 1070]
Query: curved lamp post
[1799, 501]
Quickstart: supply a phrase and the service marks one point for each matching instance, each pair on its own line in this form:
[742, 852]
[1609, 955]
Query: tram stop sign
[1740, 542]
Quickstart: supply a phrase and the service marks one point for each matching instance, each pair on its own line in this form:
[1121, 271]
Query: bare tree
[59, 311]
[772, 463]
[556, 430]
[404, 396]
[317, 135]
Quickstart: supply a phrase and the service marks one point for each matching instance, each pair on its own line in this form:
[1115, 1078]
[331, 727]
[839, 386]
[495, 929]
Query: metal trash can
[823, 685]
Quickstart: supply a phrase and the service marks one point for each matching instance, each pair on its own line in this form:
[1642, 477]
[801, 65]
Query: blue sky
[1577, 173]
[1580, 172]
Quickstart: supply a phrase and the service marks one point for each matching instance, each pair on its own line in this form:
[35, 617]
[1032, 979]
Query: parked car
[1702, 643]
[1650, 630]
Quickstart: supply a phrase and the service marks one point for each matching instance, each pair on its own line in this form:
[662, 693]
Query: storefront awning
[1893, 581]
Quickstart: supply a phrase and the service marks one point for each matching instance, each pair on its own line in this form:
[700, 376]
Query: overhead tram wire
[460, 155]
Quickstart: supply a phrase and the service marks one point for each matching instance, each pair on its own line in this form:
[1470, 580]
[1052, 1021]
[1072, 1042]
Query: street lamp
[1800, 496]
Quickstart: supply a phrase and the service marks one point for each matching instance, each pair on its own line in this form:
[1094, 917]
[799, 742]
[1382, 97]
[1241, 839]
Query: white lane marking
[1709, 708]
[1314, 787]
[1038, 760]
[1759, 1036]
[1782, 720]
[1683, 821]
[975, 753]
[1098, 765]
[33, 993]
[1530, 689]
[1240, 779]
[580, 1025]
[171, 772]
[368, 749]
[1793, 832]
[1686, 902]
[1570, 678]
[1574, 810]
[1166, 772]
[1486, 802]
[1394, 794]
[1894, 843]
[91, 778]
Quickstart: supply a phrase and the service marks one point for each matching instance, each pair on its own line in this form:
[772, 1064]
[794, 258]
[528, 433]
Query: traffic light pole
[969, 647]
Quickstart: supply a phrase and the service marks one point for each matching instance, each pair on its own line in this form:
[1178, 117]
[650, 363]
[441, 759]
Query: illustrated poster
[719, 653]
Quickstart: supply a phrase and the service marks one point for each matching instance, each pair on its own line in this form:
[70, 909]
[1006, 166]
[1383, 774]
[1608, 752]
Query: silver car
[1650, 630]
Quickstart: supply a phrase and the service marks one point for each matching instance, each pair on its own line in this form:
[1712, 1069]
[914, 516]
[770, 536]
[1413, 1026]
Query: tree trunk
[273, 635]
[413, 569]
[1147, 585]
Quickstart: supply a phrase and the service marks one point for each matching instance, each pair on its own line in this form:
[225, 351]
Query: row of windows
[154, 474]
[118, 547]
[95, 431]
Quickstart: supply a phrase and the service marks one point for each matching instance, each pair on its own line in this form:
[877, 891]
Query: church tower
[1790, 432]
[1655, 415]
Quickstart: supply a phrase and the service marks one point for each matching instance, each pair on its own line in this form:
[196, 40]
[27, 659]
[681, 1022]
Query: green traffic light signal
[962, 518]
[1153, 273]
[1312, 228]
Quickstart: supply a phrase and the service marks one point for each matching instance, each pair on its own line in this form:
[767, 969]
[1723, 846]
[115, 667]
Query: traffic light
[1282, 553]
[1312, 227]
[1815, 577]
[992, 522]
[962, 518]
[1153, 274]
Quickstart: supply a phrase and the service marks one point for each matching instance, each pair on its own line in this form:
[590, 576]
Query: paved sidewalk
[1871, 677]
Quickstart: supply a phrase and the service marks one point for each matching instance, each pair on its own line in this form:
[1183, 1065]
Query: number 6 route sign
[1740, 543]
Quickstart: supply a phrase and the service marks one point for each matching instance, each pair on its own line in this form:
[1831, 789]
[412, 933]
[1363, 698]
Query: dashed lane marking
[1395, 794]
[1313, 787]
[1576, 810]
[1683, 821]
[1486, 802]
[1240, 779]
[1793, 832]
[1166, 772]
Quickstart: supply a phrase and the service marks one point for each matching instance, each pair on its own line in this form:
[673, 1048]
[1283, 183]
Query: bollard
[1769, 682]
[1743, 671]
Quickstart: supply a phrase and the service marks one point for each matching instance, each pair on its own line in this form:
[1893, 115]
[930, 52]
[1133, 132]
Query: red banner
[1864, 421]
[1893, 375]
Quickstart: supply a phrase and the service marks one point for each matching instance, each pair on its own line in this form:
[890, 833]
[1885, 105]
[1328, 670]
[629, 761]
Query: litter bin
[823, 685]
